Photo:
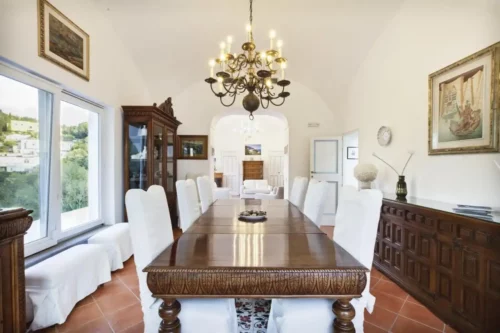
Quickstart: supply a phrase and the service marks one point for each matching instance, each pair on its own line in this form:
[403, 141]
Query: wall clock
[384, 136]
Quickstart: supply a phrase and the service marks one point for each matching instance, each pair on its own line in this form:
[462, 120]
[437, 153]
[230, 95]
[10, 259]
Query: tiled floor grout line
[103, 315]
[129, 289]
[397, 315]
[420, 322]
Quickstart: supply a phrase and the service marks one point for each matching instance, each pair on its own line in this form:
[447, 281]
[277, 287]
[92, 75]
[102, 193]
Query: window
[49, 157]
[25, 117]
[79, 166]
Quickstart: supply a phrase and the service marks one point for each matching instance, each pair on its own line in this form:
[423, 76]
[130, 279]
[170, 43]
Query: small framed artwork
[193, 147]
[253, 150]
[61, 41]
[463, 105]
[352, 153]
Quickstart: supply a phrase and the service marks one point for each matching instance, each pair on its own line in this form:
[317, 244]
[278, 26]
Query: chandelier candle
[250, 72]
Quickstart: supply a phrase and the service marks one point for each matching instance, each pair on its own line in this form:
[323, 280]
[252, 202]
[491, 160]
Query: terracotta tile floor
[115, 307]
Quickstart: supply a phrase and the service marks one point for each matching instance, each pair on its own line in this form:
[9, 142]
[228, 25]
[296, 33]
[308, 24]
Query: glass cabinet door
[158, 155]
[137, 155]
[170, 161]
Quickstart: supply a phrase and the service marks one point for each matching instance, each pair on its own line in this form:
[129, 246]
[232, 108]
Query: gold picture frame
[463, 105]
[192, 147]
[62, 42]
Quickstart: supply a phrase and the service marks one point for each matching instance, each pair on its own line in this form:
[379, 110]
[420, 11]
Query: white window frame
[90, 224]
[54, 233]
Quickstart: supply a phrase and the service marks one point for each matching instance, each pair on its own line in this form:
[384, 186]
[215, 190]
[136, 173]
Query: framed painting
[193, 147]
[253, 150]
[352, 153]
[463, 105]
[61, 41]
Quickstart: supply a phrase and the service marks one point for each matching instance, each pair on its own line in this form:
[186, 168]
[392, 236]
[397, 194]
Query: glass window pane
[25, 135]
[79, 166]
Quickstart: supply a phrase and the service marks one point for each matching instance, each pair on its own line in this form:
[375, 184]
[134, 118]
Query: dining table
[285, 256]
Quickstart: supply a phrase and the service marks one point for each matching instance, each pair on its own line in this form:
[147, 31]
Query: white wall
[271, 137]
[114, 78]
[196, 107]
[390, 89]
[349, 140]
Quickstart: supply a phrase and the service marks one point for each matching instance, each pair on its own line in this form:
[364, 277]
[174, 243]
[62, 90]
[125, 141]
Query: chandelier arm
[278, 104]
[262, 103]
[211, 87]
[228, 105]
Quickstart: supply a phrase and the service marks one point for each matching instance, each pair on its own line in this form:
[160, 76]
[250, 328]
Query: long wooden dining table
[286, 256]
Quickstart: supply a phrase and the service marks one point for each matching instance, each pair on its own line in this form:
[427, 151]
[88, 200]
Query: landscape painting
[65, 43]
[61, 41]
[193, 147]
[255, 150]
[462, 99]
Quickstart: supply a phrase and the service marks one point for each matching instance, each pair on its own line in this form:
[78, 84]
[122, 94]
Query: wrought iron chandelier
[250, 71]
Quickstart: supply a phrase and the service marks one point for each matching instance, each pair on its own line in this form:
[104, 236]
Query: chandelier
[255, 73]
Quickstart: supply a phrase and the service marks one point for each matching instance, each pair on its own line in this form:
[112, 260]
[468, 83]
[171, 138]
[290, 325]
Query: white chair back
[356, 222]
[206, 192]
[150, 231]
[187, 198]
[298, 194]
[314, 205]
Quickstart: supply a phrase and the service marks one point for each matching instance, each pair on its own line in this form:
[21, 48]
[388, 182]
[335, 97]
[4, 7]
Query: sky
[22, 100]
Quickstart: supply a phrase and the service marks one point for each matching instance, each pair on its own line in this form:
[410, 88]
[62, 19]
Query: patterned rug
[253, 315]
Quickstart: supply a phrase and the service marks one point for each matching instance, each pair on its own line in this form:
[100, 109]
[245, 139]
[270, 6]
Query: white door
[230, 171]
[326, 165]
[276, 168]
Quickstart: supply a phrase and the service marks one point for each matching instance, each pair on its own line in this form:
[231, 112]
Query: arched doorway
[234, 138]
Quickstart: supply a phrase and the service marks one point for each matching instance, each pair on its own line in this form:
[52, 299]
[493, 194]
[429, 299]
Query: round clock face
[384, 135]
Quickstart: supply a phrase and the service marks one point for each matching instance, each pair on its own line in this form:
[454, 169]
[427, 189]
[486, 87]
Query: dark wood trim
[13, 225]
[203, 138]
[448, 262]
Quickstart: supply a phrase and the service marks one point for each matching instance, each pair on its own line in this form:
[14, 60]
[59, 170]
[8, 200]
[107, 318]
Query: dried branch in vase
[406, 164]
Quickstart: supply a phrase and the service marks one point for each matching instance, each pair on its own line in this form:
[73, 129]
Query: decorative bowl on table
[253, 216]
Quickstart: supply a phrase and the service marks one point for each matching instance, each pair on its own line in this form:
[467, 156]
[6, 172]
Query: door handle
[313, 172]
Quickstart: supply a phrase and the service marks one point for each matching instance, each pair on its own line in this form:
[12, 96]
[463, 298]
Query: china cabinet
[150, 134]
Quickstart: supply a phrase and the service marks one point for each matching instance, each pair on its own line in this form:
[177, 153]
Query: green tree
[74, 186]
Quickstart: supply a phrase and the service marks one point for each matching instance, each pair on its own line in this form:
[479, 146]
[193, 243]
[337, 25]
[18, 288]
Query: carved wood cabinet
[449, 262]
[13, 225]
[150, 134]
[253, 170]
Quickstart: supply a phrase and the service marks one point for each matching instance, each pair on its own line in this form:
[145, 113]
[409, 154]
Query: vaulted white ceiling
[325, 40]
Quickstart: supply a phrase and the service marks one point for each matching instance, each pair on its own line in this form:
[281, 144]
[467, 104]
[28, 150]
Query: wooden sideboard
[449, 262]
[253, 170]
[13, 225]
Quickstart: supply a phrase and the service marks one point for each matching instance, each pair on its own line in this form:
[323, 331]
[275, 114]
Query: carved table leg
[168, 311]
[344, 314]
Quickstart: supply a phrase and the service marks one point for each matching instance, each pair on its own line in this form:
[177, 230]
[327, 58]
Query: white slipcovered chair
[355, 230]
[221, 192]
[206, 192]
[298, 194]
[187, 198]
[271, 196]
[151, 233]
[316, 196]
[251, 187]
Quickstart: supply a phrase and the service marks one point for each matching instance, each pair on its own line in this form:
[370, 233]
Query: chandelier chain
[251, 12]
